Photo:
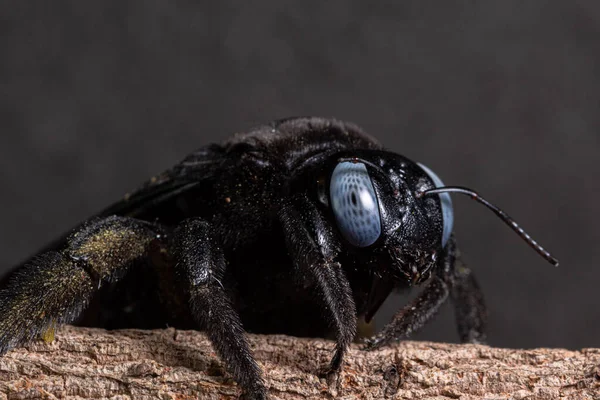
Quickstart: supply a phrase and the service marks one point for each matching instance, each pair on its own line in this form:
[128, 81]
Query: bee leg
[470, 309]
[54, 287]
[314, 247]
[412, 317]
[200, 266]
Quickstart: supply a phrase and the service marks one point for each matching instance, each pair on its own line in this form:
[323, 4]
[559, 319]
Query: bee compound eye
[354, 203]
[446, 203]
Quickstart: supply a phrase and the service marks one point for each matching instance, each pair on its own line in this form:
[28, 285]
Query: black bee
[298, 227]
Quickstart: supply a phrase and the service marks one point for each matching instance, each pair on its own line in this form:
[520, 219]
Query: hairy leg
[470, 309]
[200, 266]
[313, 247]
[413, 316]
[54, 287]
[450, 280]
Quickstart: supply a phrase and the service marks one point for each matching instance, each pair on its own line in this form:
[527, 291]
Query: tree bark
[84, 363]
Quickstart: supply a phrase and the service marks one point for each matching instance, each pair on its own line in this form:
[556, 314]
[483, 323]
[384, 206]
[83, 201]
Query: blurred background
[500, 96]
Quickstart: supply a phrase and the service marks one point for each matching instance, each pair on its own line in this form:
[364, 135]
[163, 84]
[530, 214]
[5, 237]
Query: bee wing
[184, 176]
[146, 201]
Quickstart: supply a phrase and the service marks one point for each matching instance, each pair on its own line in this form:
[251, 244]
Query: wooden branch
[85, 363]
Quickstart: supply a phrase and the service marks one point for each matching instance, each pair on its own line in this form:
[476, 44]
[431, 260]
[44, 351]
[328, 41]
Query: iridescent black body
[242, 234]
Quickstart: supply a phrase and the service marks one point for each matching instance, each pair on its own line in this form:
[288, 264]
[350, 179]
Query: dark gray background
[501, 96]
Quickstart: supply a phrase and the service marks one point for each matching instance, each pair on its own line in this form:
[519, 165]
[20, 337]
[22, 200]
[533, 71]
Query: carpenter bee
[299, 227]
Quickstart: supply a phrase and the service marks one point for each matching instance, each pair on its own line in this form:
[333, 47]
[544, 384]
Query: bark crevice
[84, 363]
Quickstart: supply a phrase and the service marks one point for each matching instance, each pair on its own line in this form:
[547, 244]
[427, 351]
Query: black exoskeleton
[297, 227]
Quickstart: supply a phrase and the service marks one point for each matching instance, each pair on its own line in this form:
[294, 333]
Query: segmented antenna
[503, 216]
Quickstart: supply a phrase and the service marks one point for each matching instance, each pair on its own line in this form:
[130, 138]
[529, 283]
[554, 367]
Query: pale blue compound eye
[354, 204]
[447, 210]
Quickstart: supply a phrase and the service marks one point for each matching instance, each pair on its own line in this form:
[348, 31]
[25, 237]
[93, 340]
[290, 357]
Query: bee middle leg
[200, 266]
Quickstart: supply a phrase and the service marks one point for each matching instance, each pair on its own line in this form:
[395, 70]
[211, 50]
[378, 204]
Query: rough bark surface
[85, 363]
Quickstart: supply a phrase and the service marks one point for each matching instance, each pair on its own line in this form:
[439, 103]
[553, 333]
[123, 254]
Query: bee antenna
[501, 214]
